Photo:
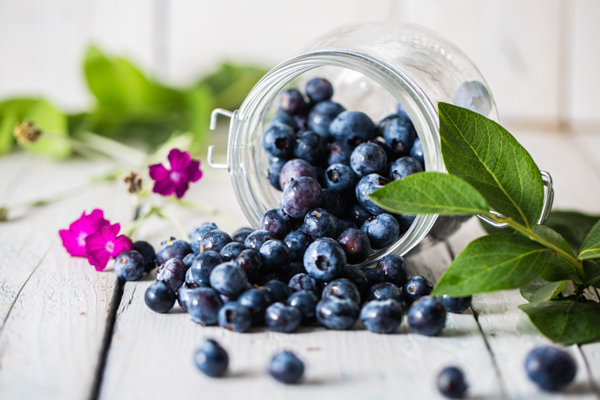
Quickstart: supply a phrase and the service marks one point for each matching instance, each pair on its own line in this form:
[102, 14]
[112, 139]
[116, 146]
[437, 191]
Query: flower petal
[94, 243]
[99, 259]
[110, 232]
[158, 172]
[192, 172]
[181, 188]
[166, 187]
[70, 243]
[122, 243]
[178, 159]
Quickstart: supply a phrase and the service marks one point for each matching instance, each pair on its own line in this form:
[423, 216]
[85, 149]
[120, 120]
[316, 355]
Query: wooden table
[69, 332]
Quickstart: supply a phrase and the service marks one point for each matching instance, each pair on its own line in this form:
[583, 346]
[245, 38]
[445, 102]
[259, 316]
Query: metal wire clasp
[546, 207]
[213, 126]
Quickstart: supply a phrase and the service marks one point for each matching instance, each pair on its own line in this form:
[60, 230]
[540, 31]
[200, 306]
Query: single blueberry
[183, 295]
[342, 225]
[277, 222]
[342, 287]
[160, 297]
[340, 177]
[294, 169]
[359, 278]
[235, 317]
[384, 122]
[172, 273]
[352, 127]
[339, 153]
[319, 223]
[550, 367]
[456, 304]
[318, 89]
[292, 102]
[241, 234]
[382, 316]
[303, 281]
[297, 242]
[129, 265]
[300, 196]
[211, 359]
[274, 172]
[368, 158]
[381, 229]
[371, 274]
[172, 249]
[305, 301]
[251, 263]
[403, 167]
[203, 265]
[285, 367]
[427, 316]
[214, 241]
[325, 260]
[389, 153]
[203, 304]
[147, 252]
[310, 146]
[367, 185]
[187, 260]
[355, 244]
[198, 234]
[392, 268]
[416, 287]
[274, 254]
[281, 318]
[358, 215]
[337, 312]
[321, 116]
[279, 140]
[334, 202]
[278, 291]
[451, 383]
[405, 222]
[286, 119]
[258, 238]
[189, 279]
[416, 152]
[256, 301]
[231, 250]
[399, 135]
[384, 291]
[229, 279]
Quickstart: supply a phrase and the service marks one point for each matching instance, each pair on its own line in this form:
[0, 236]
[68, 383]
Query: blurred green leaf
[49, 119]
[231, 83]
[200, 104]
[7, 125]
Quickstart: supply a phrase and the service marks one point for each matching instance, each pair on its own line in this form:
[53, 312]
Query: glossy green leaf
[591, 274]
[572, 225]
[558, 269]
[541, 290]
[487, 156]
[591, 244]
[430, 193]
[565, 321]
[494, 262]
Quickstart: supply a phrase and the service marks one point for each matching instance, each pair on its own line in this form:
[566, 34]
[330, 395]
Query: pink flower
[74, 238]
[183, 170]
[104, 244]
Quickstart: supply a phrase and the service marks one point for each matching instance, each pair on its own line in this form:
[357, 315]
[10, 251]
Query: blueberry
[320, 117]
[392, 268]
[214, 241]
[302, 122]
[241, 234]
[231, 250]
[318, 89]
[385, 291]
[189, 279]
[405, 222]
[274, 254]
[147, 252]
[258, 238]
[285, 272]
[303, 281]
[310, 146]
[278, 291]
[381, 230]
[550, 367]
[198, 234]
[339, 153]
[473, 95]
[172, 249]
[274, 173]
[277, 222]
[251, 263]
[129, 265]
[294, 169]
[281, 318]
[211, 359]
[203, 265]
[355, 244]
[342, 225]
[340, 177]
[352, 127]
[183, 296]
[456, 304]
[384, 122]
[297, 242]
[286, 119]
[382, 316]
[203, 304]
[367, 185]
[172, 273]
[401, 112]
[399, 135]
[319, 223]
[300, 196]
[305, 301]
[333, 201]
[187, 260]
[256, 301]
[235, 317]
[451, 383]
[229, 279]
[389, 153]
[278, 140]
[325, 260]
[285, 367]
[359, 278]
[417, 152]
[416, 287]
[371, 274]
[403, 167]
[358, 214]
[292, 102]
[368, 158]
[342, 287]
[160, 297]
[427, 316]
[337, 312]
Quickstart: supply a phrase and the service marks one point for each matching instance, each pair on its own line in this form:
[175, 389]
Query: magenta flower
[74, 238]
[104, 244]
[183, 170]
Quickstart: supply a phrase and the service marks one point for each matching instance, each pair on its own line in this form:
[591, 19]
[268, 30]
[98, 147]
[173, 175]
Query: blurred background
[540, 57]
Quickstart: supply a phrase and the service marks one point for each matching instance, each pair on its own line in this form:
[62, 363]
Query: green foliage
[541, 290]
[557, 269]
[590, 248]
[572, 225]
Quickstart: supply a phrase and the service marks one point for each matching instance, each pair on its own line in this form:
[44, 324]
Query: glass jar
[372, 66]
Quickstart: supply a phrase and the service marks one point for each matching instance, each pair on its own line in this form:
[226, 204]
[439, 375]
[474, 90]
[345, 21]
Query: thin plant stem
[169, 217]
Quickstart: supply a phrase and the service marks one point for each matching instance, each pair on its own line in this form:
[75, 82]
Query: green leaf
[540, 290]
[591, 244]
[572, 225]
[200, 104]
[430, 193]
[231, 83]
[50, 120]
[558, 269]
[591, 274]
[487, 156]
[565, 321]
[494, 262]
[7, 126]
